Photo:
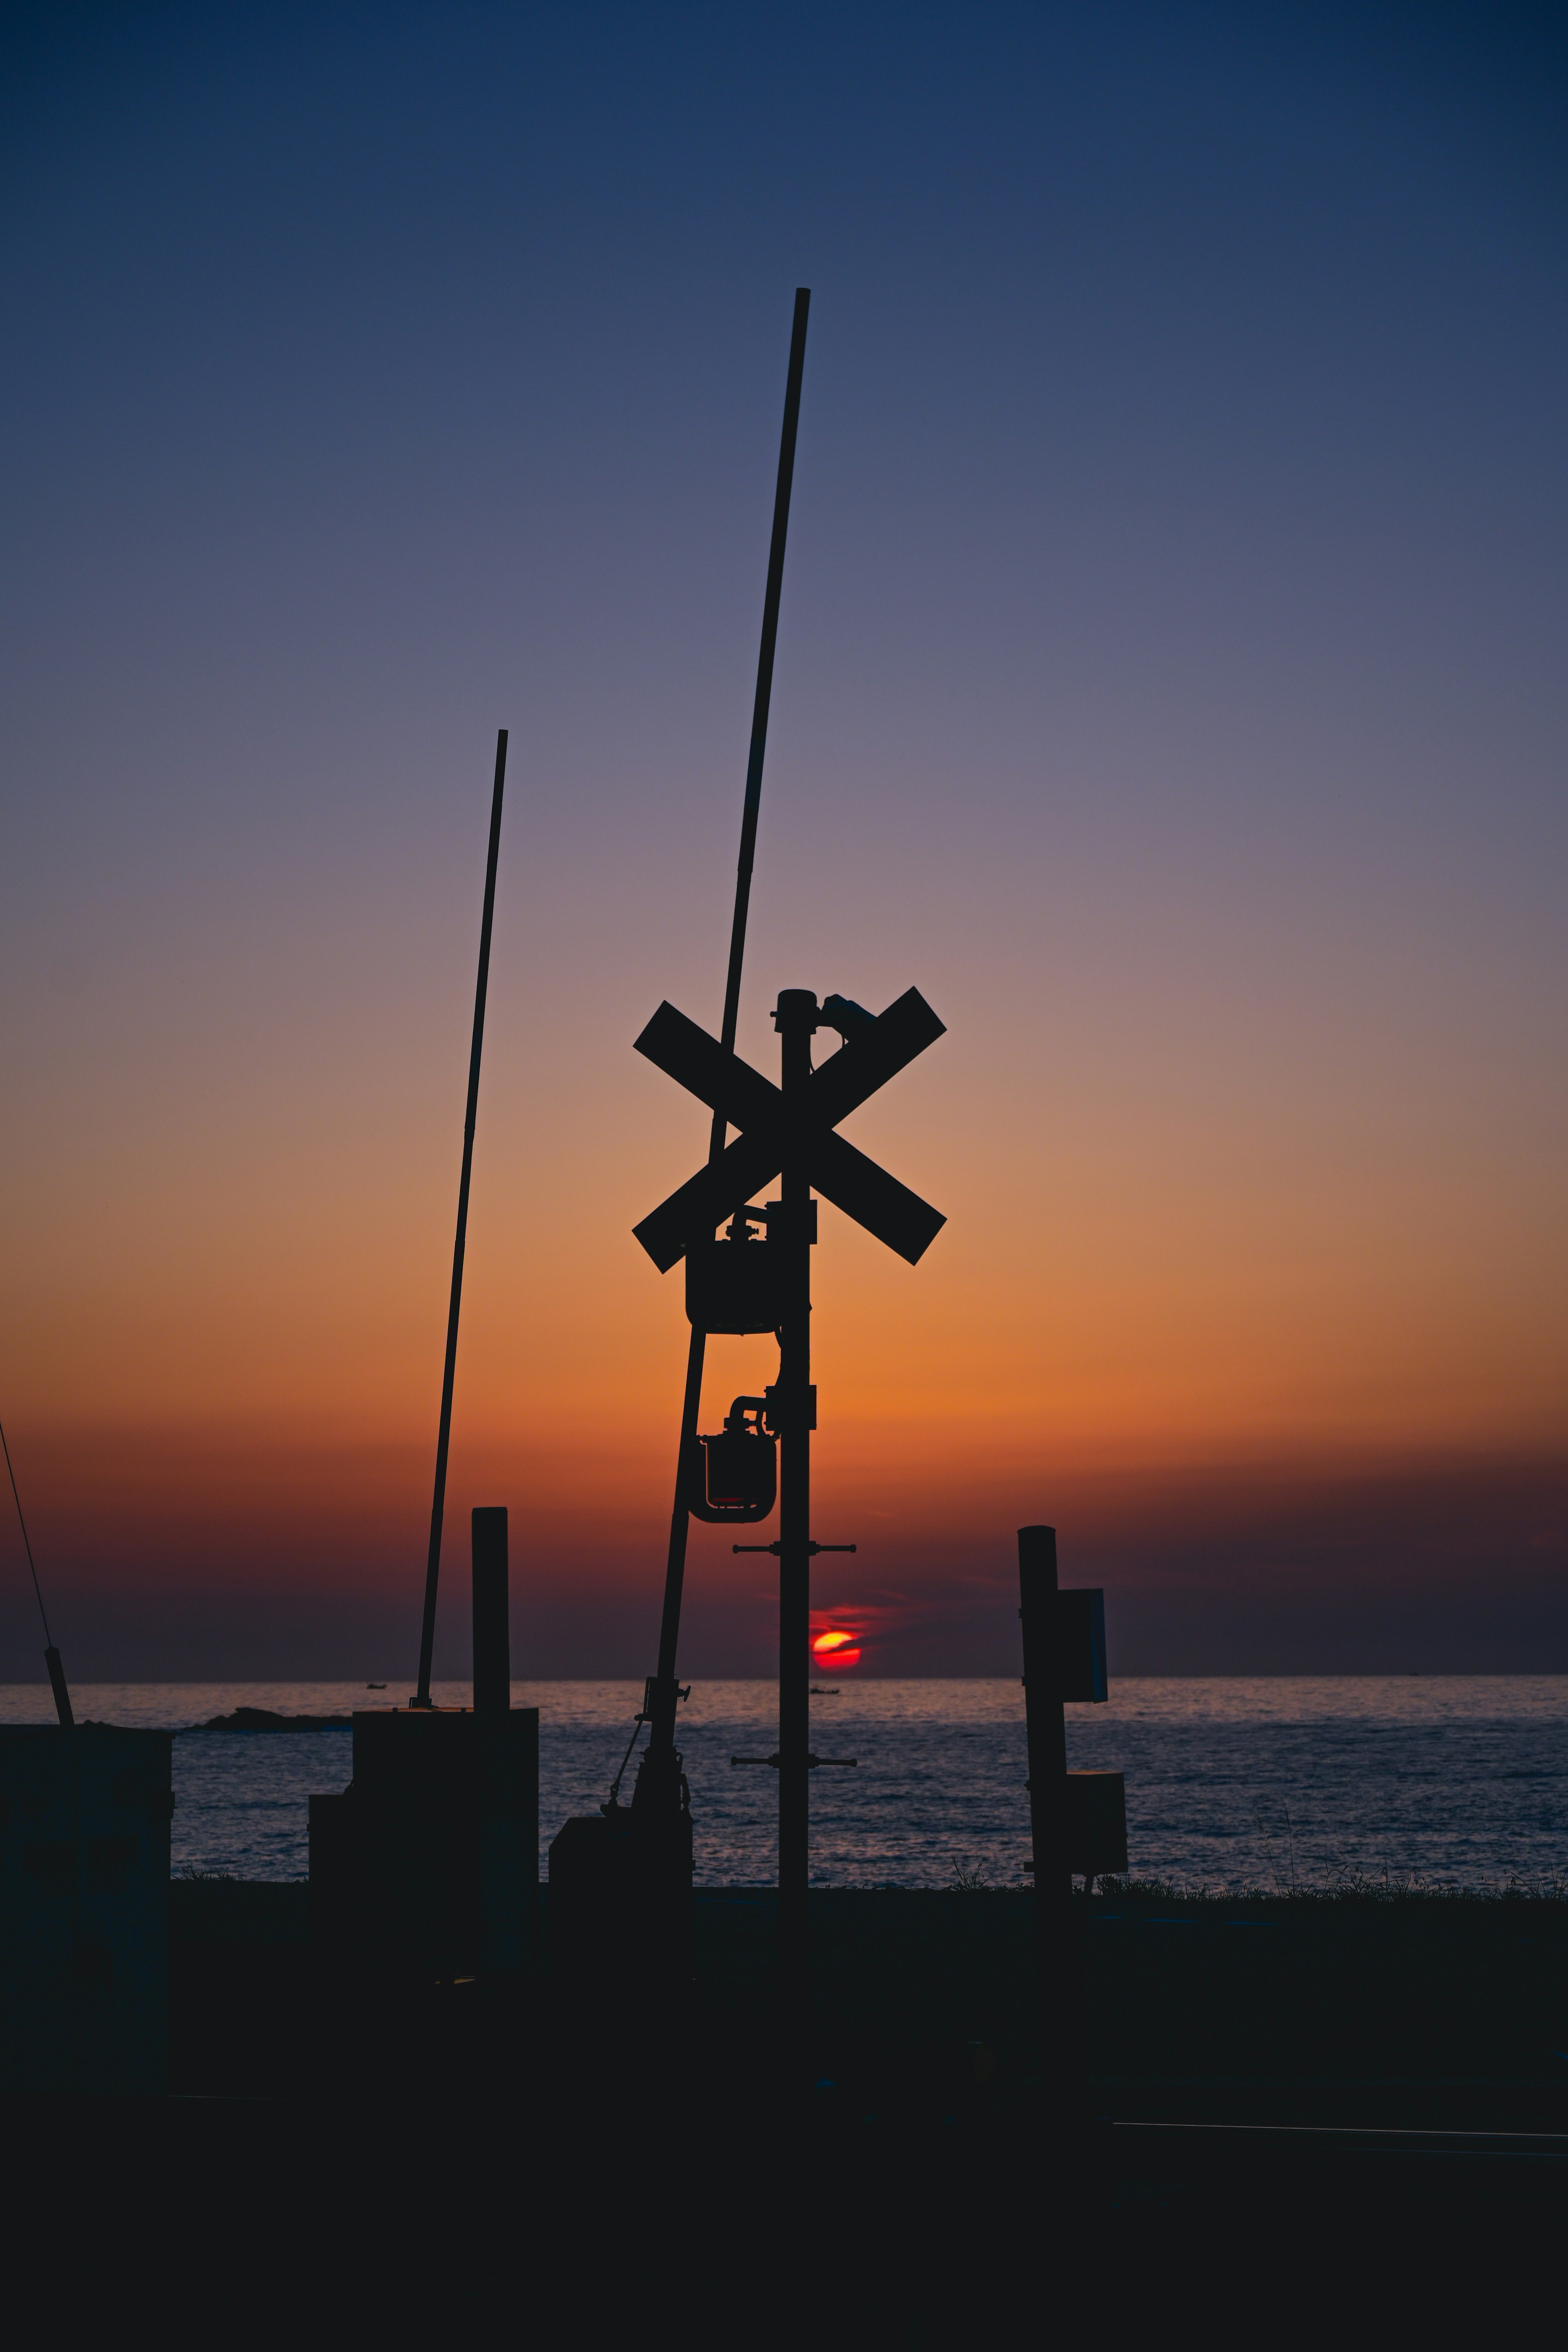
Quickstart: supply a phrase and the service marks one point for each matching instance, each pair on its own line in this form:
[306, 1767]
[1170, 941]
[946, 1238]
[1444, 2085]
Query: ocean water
[1270, 1783]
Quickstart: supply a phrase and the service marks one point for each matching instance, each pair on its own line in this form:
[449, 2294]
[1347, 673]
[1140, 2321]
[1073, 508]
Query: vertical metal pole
[439, 1506]
[1060, 1986]
[797, 1020]
[661, 1732]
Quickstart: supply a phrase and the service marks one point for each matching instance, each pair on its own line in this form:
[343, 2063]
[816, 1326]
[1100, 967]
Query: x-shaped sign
[751, 1102]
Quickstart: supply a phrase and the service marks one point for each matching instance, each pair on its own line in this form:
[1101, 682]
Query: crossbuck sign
[769, 1128]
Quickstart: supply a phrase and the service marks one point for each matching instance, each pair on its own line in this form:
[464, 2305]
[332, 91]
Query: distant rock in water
[261, 1718]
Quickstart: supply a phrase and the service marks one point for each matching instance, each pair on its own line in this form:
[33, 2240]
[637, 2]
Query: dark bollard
[509, 1767]
[492, 1629]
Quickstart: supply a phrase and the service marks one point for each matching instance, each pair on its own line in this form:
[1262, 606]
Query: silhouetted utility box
[620, 1881]
[84, 1908]
[1080, 1643]
[429, 1862]
[592, 1900]
[734, 1286]
[1097, 1822]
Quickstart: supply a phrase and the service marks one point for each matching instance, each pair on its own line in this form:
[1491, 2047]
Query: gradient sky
[1171, 685]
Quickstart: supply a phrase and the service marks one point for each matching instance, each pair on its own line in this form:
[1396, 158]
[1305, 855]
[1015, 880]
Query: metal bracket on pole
[812, 1549]
[813, 1763]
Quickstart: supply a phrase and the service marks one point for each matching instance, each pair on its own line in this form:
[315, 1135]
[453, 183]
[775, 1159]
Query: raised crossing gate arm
[659, 1779]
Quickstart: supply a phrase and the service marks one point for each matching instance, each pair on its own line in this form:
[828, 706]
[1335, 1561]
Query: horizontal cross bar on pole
[813, 1763]
[812, 1548]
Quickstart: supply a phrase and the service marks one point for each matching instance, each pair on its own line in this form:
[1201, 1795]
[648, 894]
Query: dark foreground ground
[1353, 2109]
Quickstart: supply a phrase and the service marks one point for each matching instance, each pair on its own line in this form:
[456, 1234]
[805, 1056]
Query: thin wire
[49, 1637]
[620, 1776]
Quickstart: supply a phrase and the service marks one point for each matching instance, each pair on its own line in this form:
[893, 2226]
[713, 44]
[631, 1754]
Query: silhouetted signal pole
[1064, 1662]
[795, 1018]
[789, 1131]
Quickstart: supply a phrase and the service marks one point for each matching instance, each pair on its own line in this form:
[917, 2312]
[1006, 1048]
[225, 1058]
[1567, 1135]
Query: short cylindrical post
[493, 1635]
[1060, 1986]
[508, 1751]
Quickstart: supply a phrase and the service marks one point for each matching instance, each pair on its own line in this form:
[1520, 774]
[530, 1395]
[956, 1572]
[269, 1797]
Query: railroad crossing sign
[875, 1050]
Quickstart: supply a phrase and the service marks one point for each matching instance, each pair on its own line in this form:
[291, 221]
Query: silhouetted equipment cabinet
[1079, 1820]
[428, 1863]
[615, 1878]
[1080, 1644]
[84, 1908]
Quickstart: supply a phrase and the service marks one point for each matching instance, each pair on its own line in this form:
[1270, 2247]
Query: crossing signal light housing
[734, 1284]
[732, 1478]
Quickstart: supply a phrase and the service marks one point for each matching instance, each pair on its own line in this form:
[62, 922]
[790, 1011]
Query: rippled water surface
[1230, 1782]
